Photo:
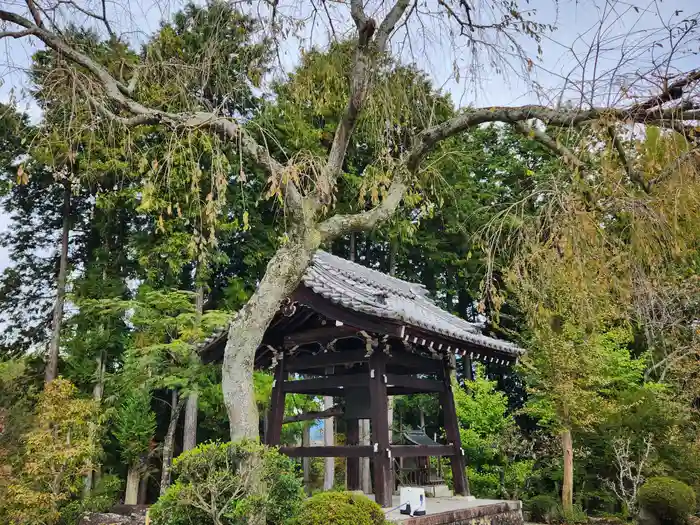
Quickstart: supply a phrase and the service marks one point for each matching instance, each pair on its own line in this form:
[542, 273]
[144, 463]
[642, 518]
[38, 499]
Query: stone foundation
[502, 513]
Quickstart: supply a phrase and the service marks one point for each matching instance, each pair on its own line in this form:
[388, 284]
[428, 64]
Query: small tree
[134, 427]
[60, 449]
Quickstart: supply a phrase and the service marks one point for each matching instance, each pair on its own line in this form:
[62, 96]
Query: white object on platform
[412, 501]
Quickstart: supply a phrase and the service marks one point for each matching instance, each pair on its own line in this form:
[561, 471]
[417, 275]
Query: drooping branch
[632, 173]
[551, 144]
[120, 95]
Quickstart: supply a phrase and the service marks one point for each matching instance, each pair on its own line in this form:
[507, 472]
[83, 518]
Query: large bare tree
[489, 29]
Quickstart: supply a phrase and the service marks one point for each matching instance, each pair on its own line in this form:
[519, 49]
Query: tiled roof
[368, 291]
[374, 293]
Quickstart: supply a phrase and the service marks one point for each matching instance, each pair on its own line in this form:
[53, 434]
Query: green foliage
[230, 483]
[134, 426]
[59, 449]
[576, 515]
[542, 508]
[102, 497]
[339, 508]
[670, 500]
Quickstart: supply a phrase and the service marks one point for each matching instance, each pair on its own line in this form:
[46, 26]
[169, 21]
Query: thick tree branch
[35, 13]
[386, 28]
[341, 224]
[357, 11]
[672, 91]
[430, 137]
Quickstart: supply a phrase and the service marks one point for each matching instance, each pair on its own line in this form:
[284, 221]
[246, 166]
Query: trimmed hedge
[669, 500]
[340, 508]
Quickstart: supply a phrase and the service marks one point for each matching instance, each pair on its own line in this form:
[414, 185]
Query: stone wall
[503, 513]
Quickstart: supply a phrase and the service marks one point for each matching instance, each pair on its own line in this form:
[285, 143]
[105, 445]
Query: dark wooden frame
[371, 373]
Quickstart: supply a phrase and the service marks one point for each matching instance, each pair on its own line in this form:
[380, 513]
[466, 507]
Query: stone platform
[457, 510]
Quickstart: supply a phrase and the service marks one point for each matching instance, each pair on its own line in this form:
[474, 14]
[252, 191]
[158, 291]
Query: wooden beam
[335, 411]
[276, 414]
[426, 365]
[352, 438]
[417, 384]
[416, 451]
[322, 360]
[323, 335]
[318, 384]
[339, 451]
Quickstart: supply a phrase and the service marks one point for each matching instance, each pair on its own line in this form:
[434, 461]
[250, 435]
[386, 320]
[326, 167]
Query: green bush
[575, 516]
[240, 483]
[541, 508]
[669, 500]
[339, 508]
[103, 496]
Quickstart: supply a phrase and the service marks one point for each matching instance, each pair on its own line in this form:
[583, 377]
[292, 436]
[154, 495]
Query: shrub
[669, 500]
[230, 484]
[101, 498]
[340, 508]
[541, 508]
[574, 516]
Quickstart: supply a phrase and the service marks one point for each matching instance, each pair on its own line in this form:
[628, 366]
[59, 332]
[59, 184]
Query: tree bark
[169, 442]
[132, 485]
[246, 331]
[143, 490]
[365, 473]
[306, 462]
[57, 321]
[97, 393]
[189, 434]
[329, 441]
[567, 490]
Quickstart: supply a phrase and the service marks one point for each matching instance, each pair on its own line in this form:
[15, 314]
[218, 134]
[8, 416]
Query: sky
[620, 33]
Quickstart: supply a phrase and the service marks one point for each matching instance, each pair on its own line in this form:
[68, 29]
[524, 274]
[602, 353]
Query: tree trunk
[306, 462]
[143, 490]
[329, 441]
[57, 321]
[246, 331]
[365, 474]
[567, 490]
[169, 442]
[97, 393]
[132, 485]
[189, 434]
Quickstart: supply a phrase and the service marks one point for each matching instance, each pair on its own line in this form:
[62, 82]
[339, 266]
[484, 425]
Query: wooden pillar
[276, 415]
[380, 428]
[353, 464]
[459, 476]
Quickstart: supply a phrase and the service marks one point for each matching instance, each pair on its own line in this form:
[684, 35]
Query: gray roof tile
[374, 293]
